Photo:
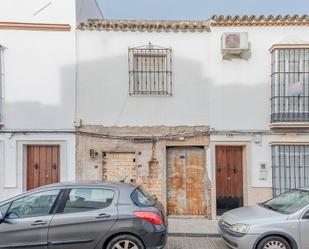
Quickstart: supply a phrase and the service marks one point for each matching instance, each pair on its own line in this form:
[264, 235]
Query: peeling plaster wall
[150, 156]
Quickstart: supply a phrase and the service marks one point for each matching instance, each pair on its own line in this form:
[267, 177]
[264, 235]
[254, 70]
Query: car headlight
[240, 228]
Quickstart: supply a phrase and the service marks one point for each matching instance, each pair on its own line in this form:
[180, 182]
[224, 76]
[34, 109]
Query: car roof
[119, 185]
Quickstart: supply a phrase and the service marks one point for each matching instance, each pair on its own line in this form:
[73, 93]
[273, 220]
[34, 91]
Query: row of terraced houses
[207, 115]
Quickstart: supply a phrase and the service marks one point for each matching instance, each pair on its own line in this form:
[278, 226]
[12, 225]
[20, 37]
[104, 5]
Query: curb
[201, 235]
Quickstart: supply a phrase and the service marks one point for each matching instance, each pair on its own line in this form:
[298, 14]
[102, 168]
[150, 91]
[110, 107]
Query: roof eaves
[145, 25]
[270, 20]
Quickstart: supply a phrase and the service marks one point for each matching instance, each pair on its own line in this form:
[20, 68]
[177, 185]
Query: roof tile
[270, 20]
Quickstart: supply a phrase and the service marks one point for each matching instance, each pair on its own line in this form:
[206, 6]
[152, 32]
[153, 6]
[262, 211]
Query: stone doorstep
[193, 227]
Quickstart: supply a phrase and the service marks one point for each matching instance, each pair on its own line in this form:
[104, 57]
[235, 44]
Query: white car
[280, 223]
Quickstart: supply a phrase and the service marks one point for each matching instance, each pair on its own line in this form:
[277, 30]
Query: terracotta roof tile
[278, 20]
[141, 25]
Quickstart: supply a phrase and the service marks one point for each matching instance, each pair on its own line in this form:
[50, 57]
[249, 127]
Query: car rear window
[142, 198]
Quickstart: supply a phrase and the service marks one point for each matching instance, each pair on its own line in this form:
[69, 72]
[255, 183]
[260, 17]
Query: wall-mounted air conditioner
[234, 44]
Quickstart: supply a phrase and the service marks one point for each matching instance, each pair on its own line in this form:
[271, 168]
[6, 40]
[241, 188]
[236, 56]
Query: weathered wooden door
[229, 178]
[186, 190]
[43, 165]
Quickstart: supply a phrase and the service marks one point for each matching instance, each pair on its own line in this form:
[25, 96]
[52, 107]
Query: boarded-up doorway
[186, 188]
[118, 166]
[43, 165]
[229, 178]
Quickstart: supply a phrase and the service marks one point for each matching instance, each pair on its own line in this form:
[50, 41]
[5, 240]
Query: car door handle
[103, 216]
[39, 223]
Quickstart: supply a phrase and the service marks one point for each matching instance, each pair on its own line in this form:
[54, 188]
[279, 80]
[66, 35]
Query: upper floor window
[290, 85]
[150, 70]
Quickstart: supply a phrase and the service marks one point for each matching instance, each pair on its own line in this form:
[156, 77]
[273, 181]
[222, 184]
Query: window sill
[289, 125]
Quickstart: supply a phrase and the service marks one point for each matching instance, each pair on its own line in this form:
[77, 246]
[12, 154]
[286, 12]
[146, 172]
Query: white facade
[38, 11]
[38, 87]
[230, 96]
[225, 94]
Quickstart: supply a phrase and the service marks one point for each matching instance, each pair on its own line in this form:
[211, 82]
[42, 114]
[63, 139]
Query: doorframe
[246, 171]
[22, 160]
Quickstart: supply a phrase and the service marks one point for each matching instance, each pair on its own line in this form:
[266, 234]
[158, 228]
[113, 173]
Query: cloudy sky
[198, 9]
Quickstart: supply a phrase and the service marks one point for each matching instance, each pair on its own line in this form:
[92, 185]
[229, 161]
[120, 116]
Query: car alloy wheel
[274, 244]
[125, 244]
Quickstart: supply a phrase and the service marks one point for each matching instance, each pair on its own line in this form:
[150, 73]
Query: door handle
[103, 216]
[39, 223]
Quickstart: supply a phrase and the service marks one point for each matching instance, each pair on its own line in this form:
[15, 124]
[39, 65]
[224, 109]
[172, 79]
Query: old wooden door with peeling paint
[43, 165]
[186, 188]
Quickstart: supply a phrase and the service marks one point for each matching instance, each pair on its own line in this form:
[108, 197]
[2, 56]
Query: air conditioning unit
[234, 44]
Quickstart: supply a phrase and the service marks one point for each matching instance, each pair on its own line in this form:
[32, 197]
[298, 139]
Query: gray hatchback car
[280, 223]
[83, 216]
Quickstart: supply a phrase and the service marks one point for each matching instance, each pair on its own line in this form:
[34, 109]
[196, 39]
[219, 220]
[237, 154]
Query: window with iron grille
[290, 167]
[290, 85]
[150, 70]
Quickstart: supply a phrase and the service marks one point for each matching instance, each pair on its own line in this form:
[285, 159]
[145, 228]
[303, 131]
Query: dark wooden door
[229, 178]
[43, 165]
[186, 190]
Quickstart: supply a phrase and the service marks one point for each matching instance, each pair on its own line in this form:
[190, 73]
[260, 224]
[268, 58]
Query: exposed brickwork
[115, 156]
[119, 165]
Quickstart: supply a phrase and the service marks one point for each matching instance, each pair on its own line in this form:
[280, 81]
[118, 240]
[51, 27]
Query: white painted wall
[53, 11]
[12, 157]
[38, 88]
[39, 66]
[207, 90]
[103, 79]
[39, 79]
[240, 92]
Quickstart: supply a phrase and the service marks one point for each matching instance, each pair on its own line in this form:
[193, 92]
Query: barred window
[290, 167]
[290, 85]
[150, 70]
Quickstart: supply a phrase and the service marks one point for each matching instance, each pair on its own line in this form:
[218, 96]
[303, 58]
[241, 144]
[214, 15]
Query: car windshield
[289, 202]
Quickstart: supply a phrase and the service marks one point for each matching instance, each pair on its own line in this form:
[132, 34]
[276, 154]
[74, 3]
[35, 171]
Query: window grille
[150, 70]
[290, 167]
[290, 85]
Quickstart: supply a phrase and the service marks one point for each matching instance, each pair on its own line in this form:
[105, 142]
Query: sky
[198, 9]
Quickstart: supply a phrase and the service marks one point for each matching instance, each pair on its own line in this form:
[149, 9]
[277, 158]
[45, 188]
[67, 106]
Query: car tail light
[152, 217]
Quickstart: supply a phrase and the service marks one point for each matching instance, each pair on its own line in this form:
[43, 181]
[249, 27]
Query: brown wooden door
[229, 178]
[43, 165]
[186, 170]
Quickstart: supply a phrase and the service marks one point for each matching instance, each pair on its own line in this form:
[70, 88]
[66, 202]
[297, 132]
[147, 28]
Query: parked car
[280, 223]
[85, 216]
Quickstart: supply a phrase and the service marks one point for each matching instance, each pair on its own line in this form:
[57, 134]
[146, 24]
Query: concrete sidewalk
[193, 227]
